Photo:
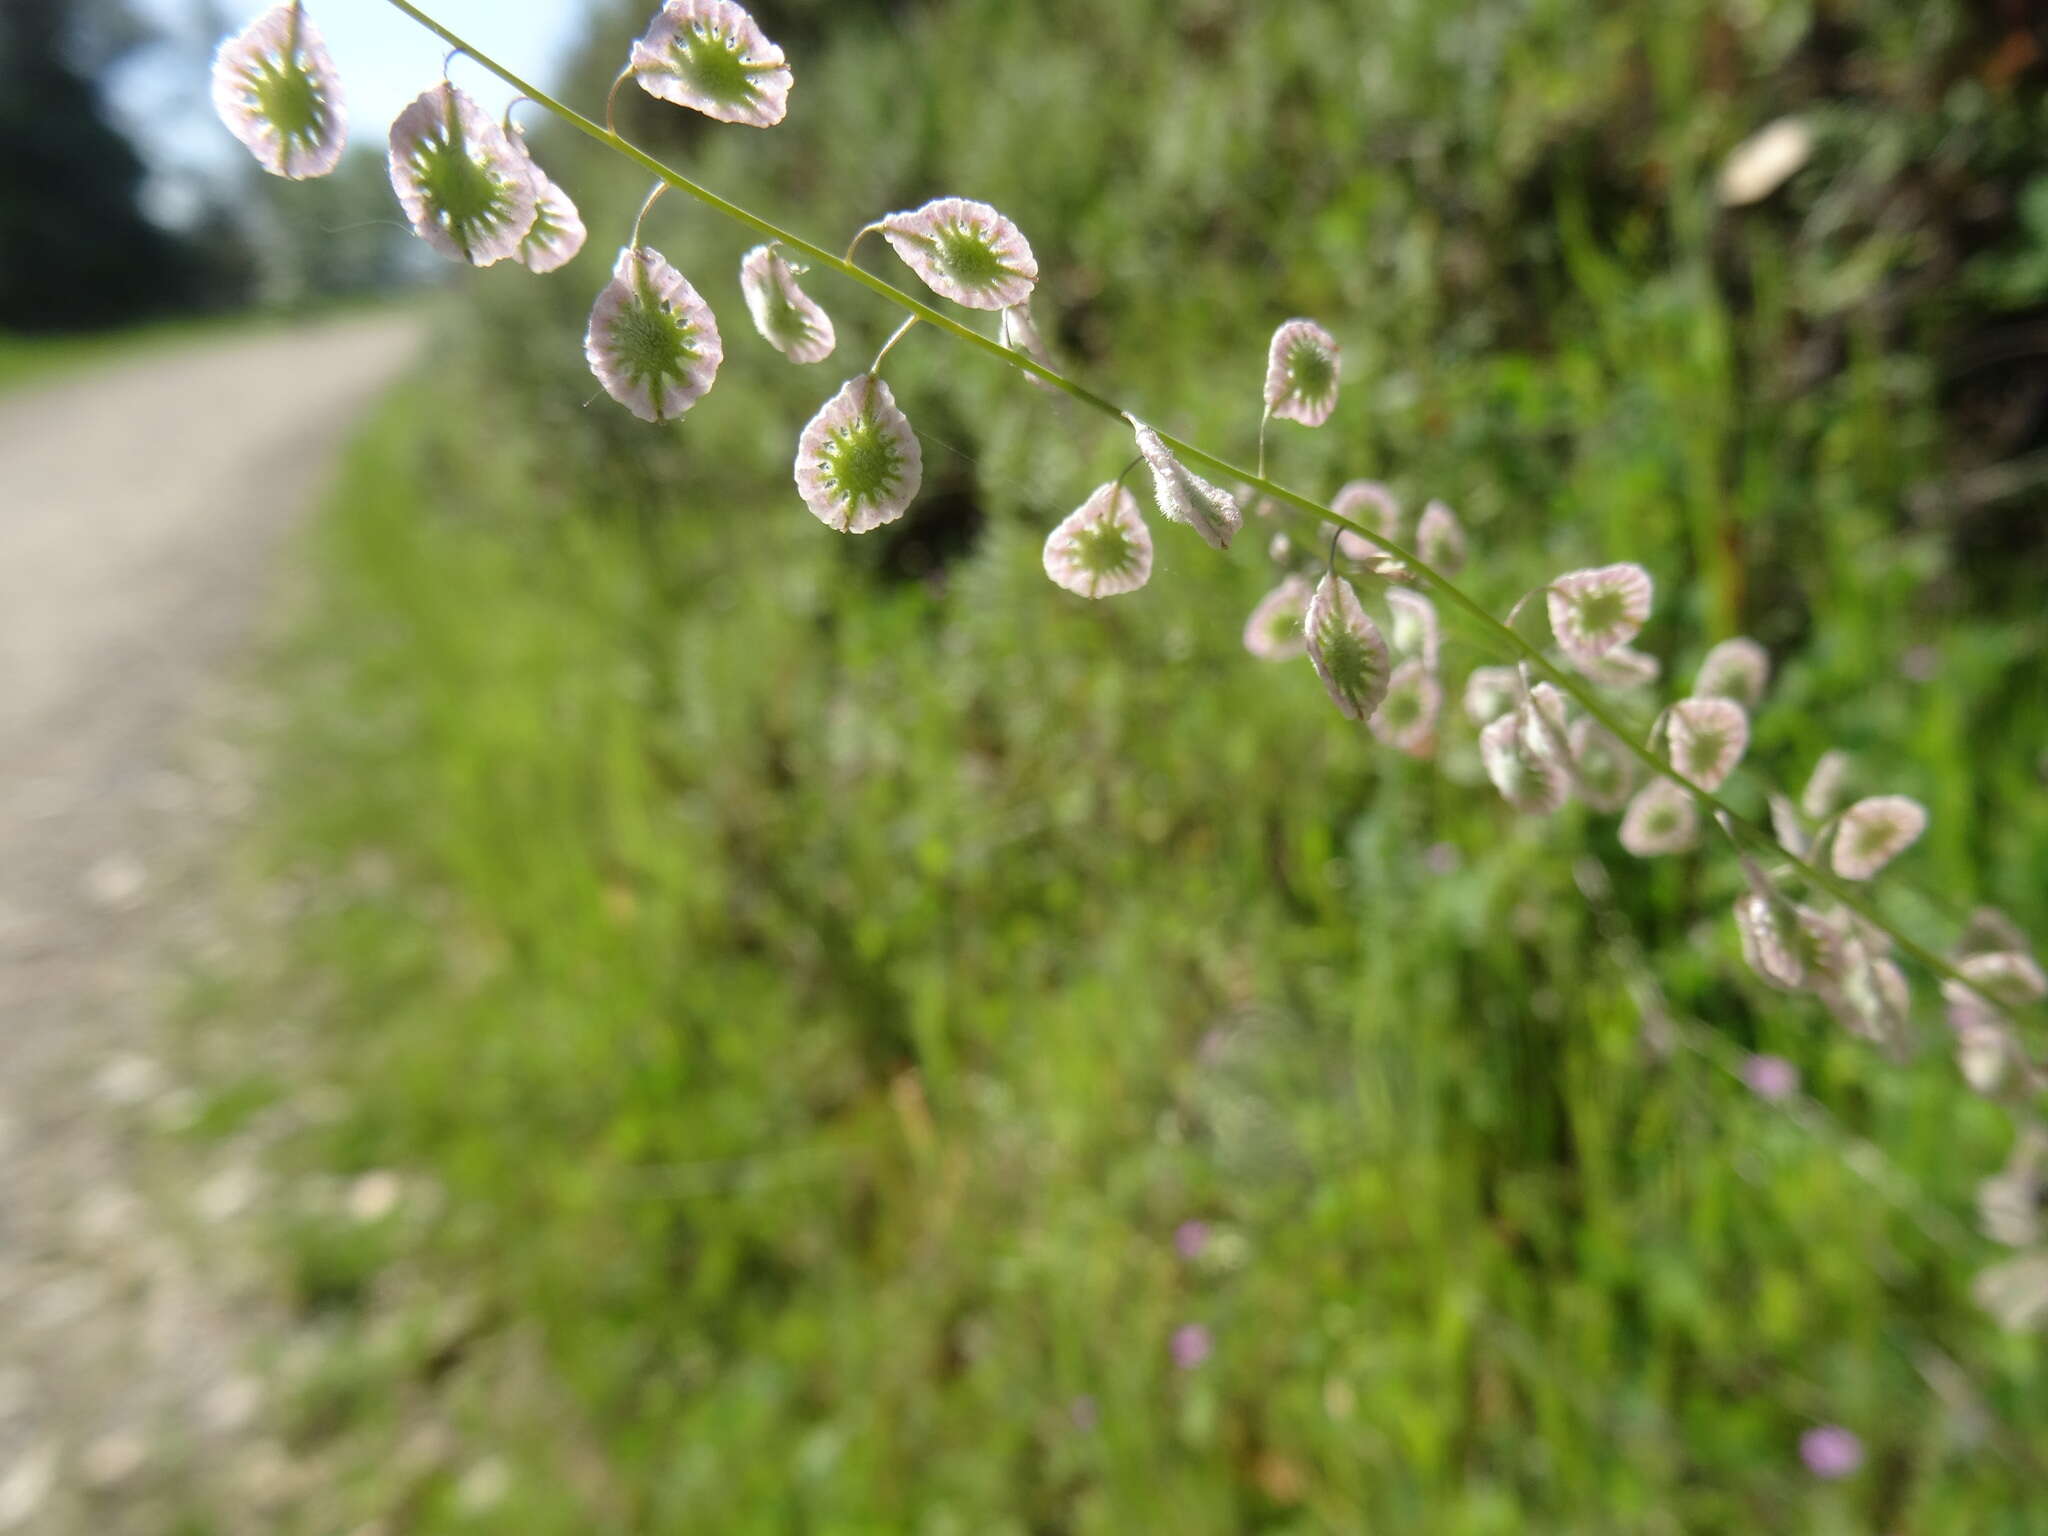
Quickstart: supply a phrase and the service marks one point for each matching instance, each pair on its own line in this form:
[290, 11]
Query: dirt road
[143, 506]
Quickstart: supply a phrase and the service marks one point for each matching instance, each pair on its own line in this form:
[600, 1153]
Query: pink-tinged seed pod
[1440, 539]
[466, 188]
[1412, 626]
[1593, 611]
[1018, 331]
[1274, 632]
[1988, 931]
[789, 319]
[1824, 786]
[1491, 692]
[1101, 548]
[1527, 780]
[1621, 668]
[1662, 818]
[1349, 654]
[1406, 718]
[557, 233]
[1302, 364]
[1546, 717]
[1707, 739]
[1371, 505]
[1773, 943]
[2008, 975]
[965, 251]
[653, 341]
[711, 56]
[858, 464]
[1788, 827]
[1184, 496]
[1873, 832]
[1602, 767]
[1737, 669]
[276, 90]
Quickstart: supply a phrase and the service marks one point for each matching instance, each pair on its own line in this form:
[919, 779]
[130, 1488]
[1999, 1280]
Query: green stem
[1497, 632]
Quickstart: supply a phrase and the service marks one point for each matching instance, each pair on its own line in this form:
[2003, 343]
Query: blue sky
[385, 59]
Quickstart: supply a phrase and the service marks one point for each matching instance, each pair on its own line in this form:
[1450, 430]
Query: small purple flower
[1190, 1238]
[1191, 1345]
[1830, 1451]
[1771, 1078]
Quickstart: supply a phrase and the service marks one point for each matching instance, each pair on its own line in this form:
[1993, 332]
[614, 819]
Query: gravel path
[141, 511]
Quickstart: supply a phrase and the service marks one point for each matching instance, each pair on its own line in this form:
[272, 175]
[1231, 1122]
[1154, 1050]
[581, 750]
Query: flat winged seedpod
[1440, 539]
[276, 90]
[2008, 975]
[653, 341]
[965, 251]
[1660, 819]
[790, 319]
[1273, 632]
[1824, 786]
[711, 56]
[557, 233]
[1622, 667]
[1771, 941]
[1019, 332]
[1491, 692]
[1412, 626]
[1406, 718]
[1788, 827]
[1875, 831]
[1707, 738]
[1372, 505]
[858, 463]
[1737, 669]
[1349, 654]
[1601, 765]
[1184, 496]
[1544, 714]
[467, 190]
[1526, 780]
[1301, 373]
[1593, 611]
[1101, 548]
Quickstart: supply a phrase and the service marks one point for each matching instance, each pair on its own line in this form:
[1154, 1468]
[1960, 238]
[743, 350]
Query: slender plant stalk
[1502, 636]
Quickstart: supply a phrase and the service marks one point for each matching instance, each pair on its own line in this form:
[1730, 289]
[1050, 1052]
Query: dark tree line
[76, 248]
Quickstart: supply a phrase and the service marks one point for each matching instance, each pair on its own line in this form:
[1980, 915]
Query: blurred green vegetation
[807, 981]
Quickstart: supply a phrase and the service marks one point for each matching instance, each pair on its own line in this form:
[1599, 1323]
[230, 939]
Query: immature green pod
[1407, 715]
